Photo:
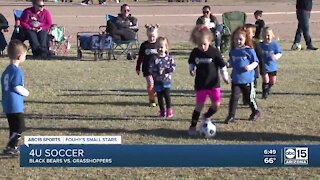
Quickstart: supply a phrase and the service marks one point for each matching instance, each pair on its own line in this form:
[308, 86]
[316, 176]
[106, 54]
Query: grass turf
[69, 97]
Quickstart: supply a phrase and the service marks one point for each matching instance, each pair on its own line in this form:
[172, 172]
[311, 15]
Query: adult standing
[212, 23]
[36, 22]
[303, 11]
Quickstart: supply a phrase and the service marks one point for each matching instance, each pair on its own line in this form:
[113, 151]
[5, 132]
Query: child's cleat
[255, 116]
[169, 113]
[192, 131]
[229, 119]
[162, 113]
[153, 104]
[11, 151]
[264, 95]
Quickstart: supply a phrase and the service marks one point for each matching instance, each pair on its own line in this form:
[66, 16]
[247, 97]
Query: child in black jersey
[204, 63]
[147, 49]
[259, 24]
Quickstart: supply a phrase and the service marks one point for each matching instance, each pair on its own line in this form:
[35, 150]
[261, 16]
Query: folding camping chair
[18, 32]
[128, 48]
[59, 43]
[231, 20]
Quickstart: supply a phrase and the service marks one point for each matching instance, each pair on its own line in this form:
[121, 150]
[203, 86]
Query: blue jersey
[239, 59]
[12, 102]
[268, 50]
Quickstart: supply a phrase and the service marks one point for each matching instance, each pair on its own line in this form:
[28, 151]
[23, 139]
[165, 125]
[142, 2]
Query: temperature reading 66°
[269, 160]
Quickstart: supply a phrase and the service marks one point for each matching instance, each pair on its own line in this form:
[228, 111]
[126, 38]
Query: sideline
[176, 15]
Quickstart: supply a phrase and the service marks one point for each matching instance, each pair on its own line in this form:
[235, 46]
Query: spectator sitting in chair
[125, 26]
[36, 22]
[212, 23]
[4, 25]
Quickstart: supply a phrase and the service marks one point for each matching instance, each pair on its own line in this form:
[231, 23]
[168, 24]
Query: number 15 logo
[302, 153]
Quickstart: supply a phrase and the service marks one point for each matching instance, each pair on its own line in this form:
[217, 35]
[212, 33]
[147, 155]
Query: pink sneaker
[162, 113]
[169, 113]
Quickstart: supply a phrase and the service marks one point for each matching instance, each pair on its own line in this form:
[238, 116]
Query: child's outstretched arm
[251, 66]
[21, 90]
[224, 74]
[140, 58]
[277, 56]
[138, 65]
[192, 63]
[252, 56]
[278, 52]
[191, 69]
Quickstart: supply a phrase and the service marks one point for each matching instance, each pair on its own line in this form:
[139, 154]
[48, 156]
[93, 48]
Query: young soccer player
[272, 52]
[250, 30]
[259, 24]
[161, 69]
[204, 63]
[243, 60]
[13, 93]
[147, 49]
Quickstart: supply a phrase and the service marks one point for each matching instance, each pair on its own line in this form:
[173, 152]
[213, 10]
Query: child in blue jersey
[161, 68]
[205, 62]
[251, 29]
[13, 93]
[146, 51]
[271, 53]
[243, 60]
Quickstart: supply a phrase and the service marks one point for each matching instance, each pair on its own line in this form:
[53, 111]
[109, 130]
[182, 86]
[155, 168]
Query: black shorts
[273, 73]
[16, 122]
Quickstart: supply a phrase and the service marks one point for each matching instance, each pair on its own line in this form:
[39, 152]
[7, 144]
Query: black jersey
[259, 26]
[147, 49]
[207, 67]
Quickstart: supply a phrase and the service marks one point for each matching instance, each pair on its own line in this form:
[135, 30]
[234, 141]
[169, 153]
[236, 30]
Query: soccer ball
[208, 129]
[296, 47]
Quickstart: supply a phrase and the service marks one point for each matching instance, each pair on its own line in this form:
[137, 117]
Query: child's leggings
[248, 91]
[164, 94]
[150, 85]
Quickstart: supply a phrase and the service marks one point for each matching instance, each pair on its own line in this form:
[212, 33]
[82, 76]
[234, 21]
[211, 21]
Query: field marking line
[176, 15]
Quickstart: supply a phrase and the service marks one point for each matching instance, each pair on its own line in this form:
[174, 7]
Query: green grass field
[69, 97]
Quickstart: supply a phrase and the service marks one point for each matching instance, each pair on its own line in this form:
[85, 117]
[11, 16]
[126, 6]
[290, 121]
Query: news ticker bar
[169, 155]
